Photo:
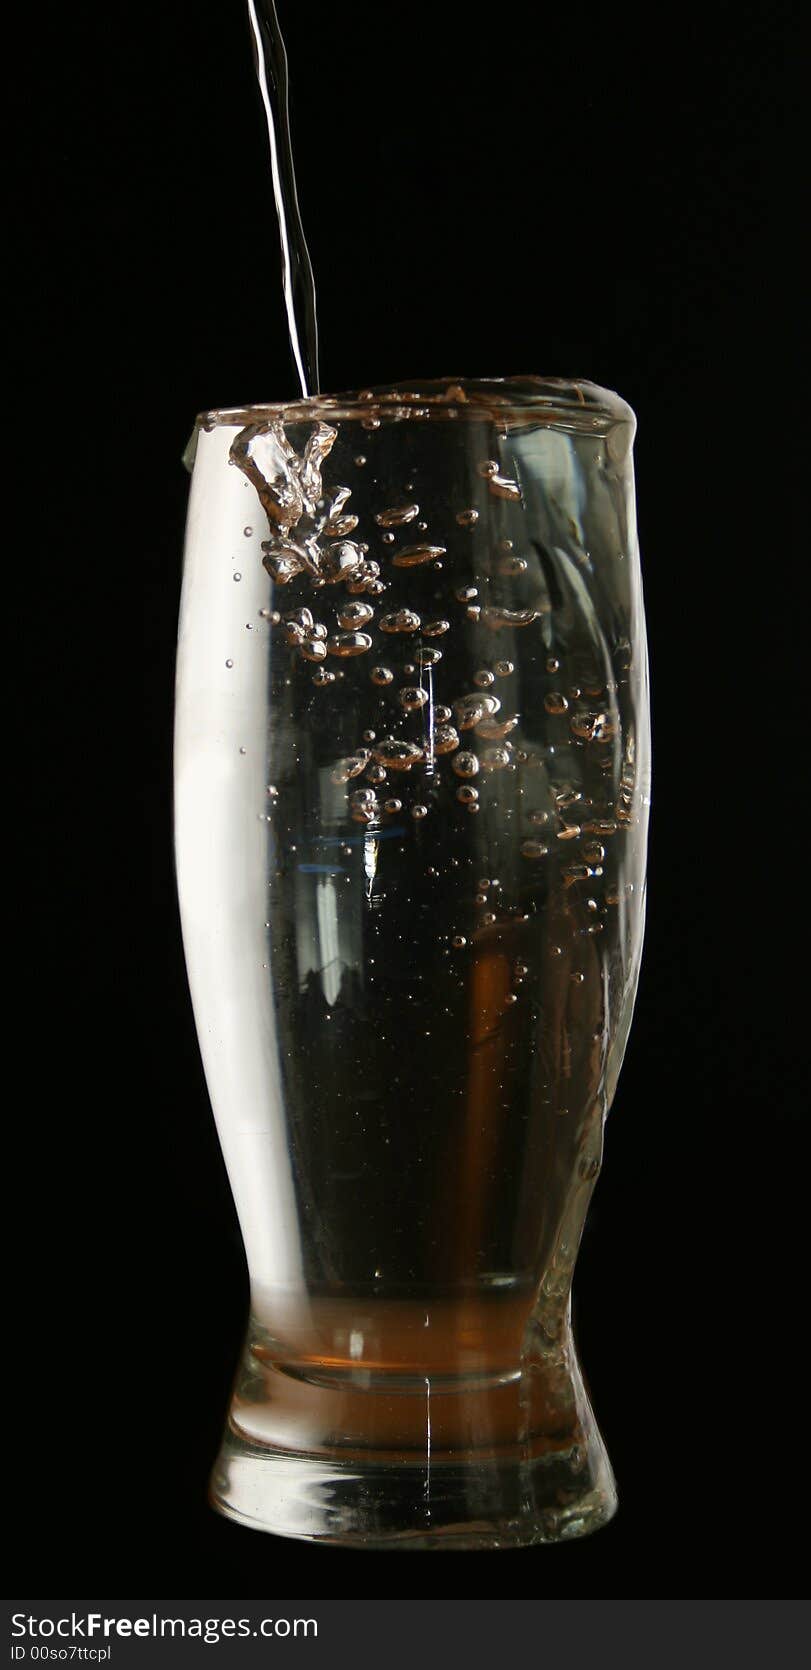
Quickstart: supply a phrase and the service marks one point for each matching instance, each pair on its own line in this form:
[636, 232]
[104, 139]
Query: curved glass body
[412, 783]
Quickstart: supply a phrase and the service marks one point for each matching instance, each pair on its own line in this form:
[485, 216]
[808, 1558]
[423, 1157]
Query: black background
[603, 193]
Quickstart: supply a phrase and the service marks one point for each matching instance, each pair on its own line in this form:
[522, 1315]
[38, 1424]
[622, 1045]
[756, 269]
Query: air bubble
[467, 518]
[593, 852]
[539, 817]
[419, 812]
[466, 594]
[593, 727]
[435, 628]
[354, 615]
[495, 759]
[484, 679]
[555, 702]
[412, 556]
[346, 644]
[473, 612]
[427, 657]
[567, 796]
[388, 538]
[360, 460]
[314, 650]
[533, 849]
[569, 832]
[471, 709]
[247, 532]
[553, 664]
[402, 620]
[323, 676]
[412, 698]
[467, 795]
[465, 764]
[229, 662]
[489, 918]
[513, 565]
[497, 619]
[458, 942]
[381, 675]
[282, 565]
[237, 575]
[511, 998]
[395, 754]
[391, 806]
[442, 714]
[469, 714]
[363, 805]
[397, 516]
[350, 767]
[446, 739]
[340, 559]
[504, 668]
[576, 872]
[494, 730]
[499, 485]
[375, 773]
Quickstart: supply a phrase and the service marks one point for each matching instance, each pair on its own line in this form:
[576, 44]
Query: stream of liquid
[297, 273]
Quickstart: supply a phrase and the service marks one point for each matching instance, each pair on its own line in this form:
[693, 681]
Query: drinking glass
[412, 787]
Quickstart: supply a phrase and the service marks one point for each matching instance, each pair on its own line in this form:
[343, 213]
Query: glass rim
[570, 402]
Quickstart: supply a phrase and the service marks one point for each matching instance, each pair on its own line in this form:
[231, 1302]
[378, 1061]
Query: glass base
[508, 1501]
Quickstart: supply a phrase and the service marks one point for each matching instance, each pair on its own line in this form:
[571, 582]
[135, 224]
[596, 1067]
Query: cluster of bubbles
[310, 537]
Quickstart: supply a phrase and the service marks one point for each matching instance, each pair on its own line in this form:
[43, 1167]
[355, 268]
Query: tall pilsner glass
[412, 787]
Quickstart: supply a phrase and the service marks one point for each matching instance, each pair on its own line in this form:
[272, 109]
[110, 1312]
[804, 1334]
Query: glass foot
[493, 1501]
